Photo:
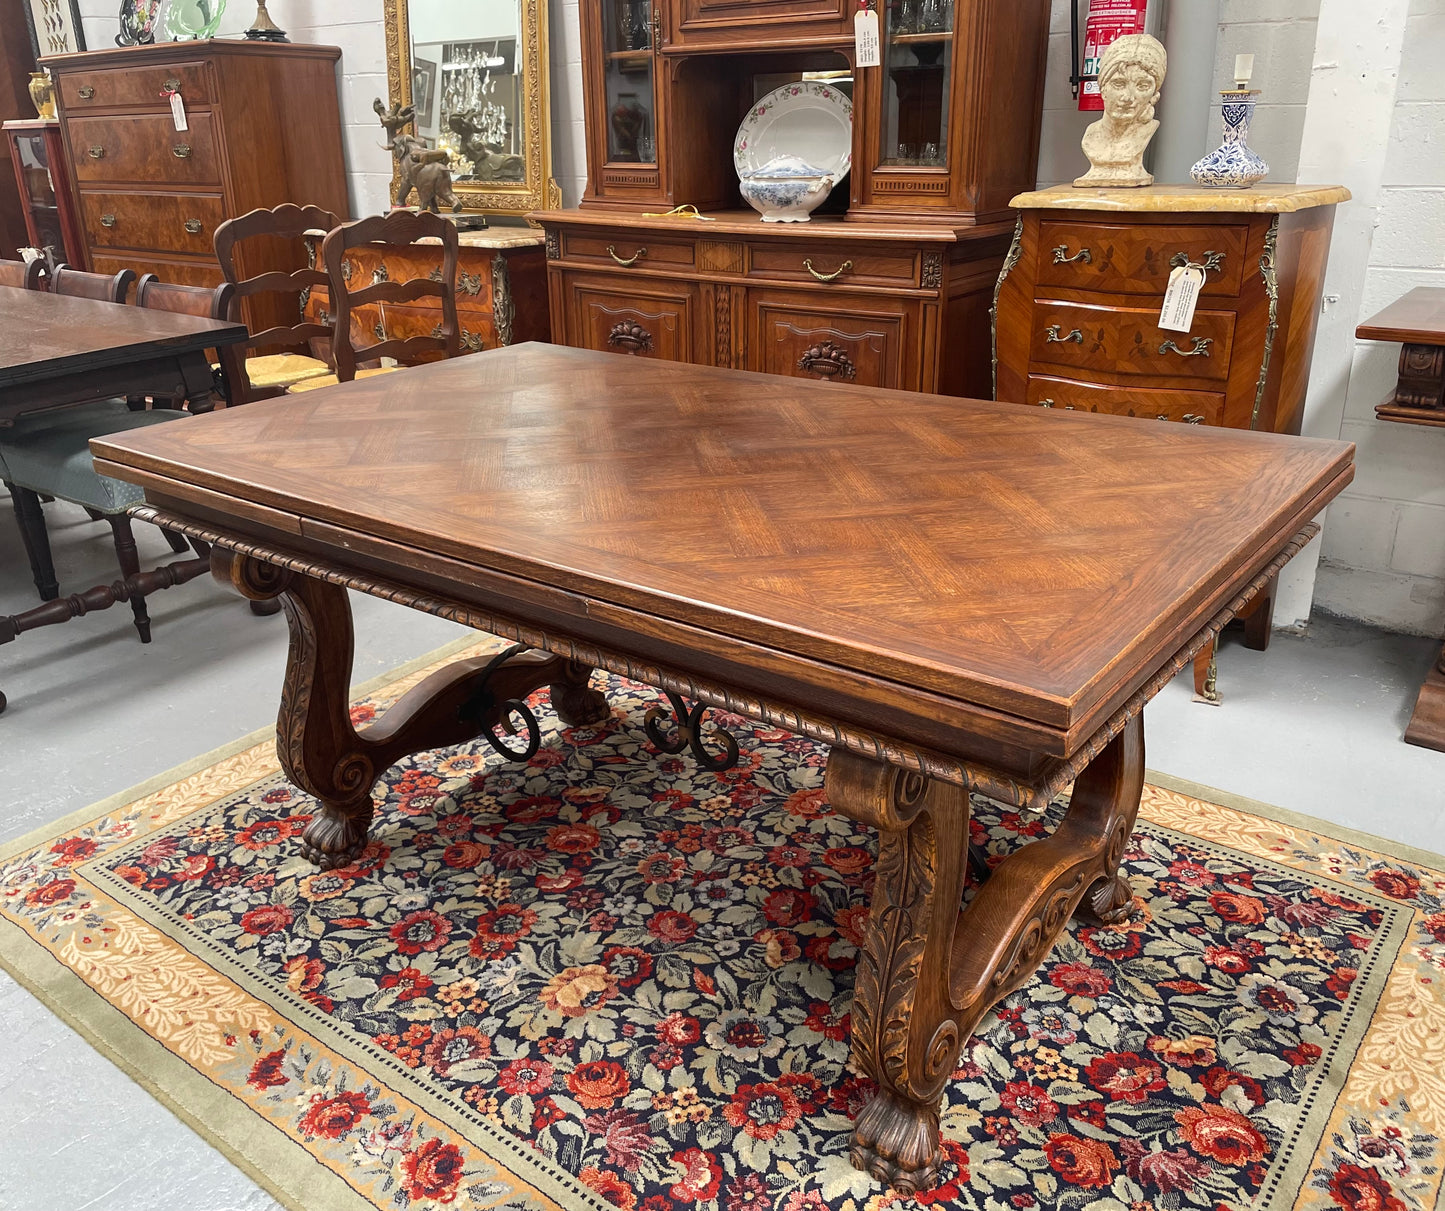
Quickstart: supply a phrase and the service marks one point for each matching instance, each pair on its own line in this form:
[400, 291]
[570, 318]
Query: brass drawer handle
[1046, 403]
[85, 92]
[626, 261]
[193, 226]
[1212, 261]
[1061, 256]
[1192, 418]
[96, 153]
[1200, 349]
[828, 277]
[181, 151]
[107, 220]
[1051, 336]
[172, 85]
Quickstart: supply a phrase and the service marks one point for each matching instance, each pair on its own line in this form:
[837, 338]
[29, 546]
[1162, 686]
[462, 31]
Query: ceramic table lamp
[1232, 165]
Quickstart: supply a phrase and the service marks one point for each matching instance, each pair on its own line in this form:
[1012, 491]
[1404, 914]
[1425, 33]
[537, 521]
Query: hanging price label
[178, 112]
[865, 38]
[1180, 298]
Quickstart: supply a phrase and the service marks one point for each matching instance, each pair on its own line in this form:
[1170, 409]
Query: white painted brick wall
[1383, 557]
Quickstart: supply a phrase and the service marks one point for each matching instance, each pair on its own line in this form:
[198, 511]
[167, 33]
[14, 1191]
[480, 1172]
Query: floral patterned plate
[810, 119]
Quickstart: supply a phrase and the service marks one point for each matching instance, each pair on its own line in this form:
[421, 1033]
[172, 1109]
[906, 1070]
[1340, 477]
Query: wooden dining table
[957, 596]
[57, 351]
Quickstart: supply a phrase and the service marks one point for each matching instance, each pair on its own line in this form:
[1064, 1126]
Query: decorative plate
[811, 120]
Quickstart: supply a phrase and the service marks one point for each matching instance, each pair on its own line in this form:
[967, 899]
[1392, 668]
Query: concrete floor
[1312, 725]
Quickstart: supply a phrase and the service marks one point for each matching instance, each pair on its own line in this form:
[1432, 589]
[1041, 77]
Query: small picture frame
[423, 92]
[54, 26]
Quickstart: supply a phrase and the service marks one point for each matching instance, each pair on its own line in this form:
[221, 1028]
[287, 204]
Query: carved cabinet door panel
[839, 338]
[641, 318]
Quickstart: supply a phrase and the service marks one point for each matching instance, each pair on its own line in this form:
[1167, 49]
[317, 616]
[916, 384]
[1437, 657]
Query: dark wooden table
[57, 351]
[953, 594]
[1417, 321]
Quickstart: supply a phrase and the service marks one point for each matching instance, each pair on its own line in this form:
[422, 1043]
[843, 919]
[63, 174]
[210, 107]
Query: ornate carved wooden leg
[1206, 675]
[577, 704]
[906, 1033]
[337, 764]
[929, 973]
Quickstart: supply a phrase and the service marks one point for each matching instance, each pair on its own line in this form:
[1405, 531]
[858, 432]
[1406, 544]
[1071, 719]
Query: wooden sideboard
[872, 304]
[501, 291]
[889, 282]
[1076, 322]
[263, 127]
[1417, 321]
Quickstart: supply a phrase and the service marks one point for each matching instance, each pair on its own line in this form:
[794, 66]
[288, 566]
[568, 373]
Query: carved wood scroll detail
[828, 361]
[631, 336]
[554, 244]
[723, 303]
[1422, 377]
[932, 270]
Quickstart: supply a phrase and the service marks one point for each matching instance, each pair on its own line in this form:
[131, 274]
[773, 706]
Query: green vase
[188, 19]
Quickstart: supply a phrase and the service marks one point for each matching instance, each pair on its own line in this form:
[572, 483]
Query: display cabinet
[882, 285]
[47, 194]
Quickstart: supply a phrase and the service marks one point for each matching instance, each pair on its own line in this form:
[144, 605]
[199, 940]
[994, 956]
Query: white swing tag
[865, 38]
[1180, 298]
[178, 112]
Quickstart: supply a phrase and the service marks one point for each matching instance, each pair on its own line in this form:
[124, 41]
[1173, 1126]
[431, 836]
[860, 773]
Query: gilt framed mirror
[477, 76]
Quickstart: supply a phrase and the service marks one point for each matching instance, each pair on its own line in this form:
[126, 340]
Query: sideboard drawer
[1138, 259]
[644, 318]
[838, 338]
[805, 263]
[134, 86]
[624, 251]
[177, 272]
[1128, 340]
[145, 148]
[175, 222]
[1069, 395]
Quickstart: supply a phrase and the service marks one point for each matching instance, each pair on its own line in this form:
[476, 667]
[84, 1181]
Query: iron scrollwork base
[687, 722]
[483, 705]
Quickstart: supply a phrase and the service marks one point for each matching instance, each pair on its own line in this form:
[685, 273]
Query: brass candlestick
[263, 29]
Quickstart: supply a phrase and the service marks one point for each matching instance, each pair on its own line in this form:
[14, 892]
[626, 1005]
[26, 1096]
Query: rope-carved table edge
[887, 750]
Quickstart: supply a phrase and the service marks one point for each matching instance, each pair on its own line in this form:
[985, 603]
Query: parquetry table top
[1023, 562]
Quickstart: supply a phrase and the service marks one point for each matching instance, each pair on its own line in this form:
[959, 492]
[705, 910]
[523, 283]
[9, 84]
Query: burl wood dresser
[1078, 303]
[263, 127]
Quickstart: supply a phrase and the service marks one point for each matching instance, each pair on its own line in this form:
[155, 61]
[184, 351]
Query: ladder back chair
[399, 229]
[277, 235]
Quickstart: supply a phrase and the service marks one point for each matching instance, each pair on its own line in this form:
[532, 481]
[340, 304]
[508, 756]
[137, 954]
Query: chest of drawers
[262, 127]
[1076, 312]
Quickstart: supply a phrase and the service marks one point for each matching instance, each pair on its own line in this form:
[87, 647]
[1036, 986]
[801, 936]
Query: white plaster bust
[1130, 76]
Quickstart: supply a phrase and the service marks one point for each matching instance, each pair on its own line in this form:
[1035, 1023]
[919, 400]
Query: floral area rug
[610, 979]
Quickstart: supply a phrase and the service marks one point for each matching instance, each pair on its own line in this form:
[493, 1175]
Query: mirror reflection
[467, 85]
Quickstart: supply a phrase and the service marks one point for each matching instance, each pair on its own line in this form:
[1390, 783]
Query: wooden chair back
[212, 303]
[399, 229]
[23, 275]
[289, 223]
[104, 287]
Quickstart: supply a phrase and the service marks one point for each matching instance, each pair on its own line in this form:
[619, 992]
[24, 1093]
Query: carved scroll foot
[577, 704]
[1108, 901]
[906, 1029]
[334, 838]
[896, 1142]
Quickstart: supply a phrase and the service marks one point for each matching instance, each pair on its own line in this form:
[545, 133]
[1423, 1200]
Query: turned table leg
[928, 972]
[339, 764]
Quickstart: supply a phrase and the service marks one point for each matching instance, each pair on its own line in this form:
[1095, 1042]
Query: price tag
[1180, 298]
[865, 38]
[178, 112]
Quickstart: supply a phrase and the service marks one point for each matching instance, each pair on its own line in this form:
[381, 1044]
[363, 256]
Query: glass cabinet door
[629, 37]
[917, 63]
[42, 210]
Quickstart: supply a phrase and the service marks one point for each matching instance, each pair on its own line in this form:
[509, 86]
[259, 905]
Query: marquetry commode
[1077, 310]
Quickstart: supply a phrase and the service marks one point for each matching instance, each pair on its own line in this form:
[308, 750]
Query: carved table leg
[338, 764]
[929, 973]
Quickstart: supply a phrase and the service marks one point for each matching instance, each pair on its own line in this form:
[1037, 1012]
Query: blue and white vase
[1232, 165]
